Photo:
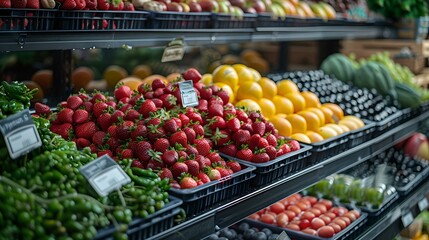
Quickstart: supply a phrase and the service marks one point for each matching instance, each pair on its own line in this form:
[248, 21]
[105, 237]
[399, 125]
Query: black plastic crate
[101, 20]
[405, 190]
[350, 232]
[180, 20]
[376, 214]
[315, 22]
[268, 20]
[278, 168]
[222, 20]
[424, 107]
[206, 196]
[361, 135]
[387, 123]
[144, 228]
[27, 19]
[329, 147]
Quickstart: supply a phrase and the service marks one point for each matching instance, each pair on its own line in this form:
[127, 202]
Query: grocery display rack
[234, 210]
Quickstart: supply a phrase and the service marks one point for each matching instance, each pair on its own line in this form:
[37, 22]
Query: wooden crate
[416, 65]
[416, 29]
[423, 78]
[365, 48]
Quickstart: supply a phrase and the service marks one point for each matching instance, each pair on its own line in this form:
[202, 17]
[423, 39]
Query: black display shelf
[66, 40]
[234, 210]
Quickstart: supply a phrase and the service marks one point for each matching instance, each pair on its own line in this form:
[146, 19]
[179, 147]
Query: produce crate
[387, 124]
[278, 168]
[201, 198]
[221, 20]
[413, 28]
[27, 19]
[405, 190]
[267, 20]
[179, 20]
[101, 20]
[376, 214]
[328, 148]
[144, 228]
[350, 232]
[415, 64]
[424, 107]
[361, 135]
[409, 113]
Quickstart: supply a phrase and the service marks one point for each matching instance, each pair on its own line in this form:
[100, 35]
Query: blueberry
[267, 231]
[212, 237]
[223, 238]
[273, 237]
[247, 235]
[259, 236]
[243, 227]
[233, 233]
[226, 233]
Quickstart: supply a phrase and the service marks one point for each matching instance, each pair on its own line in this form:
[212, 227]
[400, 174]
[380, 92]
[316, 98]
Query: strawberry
[104, 120]
[125, 108]
[165, 173]
[86, 130]
[91, 4]
[111, 104]
[241, 137]
[175, 184]
[178, 168]
[180, 138]
[135, 97]
[15, 4]
[233, 124]
[183, 154]
[192, 74]
[66, 115]
[203, 177]
[65, 130]
[184, 119]
[223, 171]
[82, 143]
[80, 4]
[155, 133]
[158, 93]
[199, 130]
[63, 104]
[254, 141]
[203, 105]
[217, 122]
[68, 5]
[112, 130]
[247, 126]
[104, 152]
[153, 121]
[126, 153]
[98, 138]
[229, 149]
[124, 100]
[223, 95]
[195, 117]
[272, 140]
[158, 102]
[216, 110]
[137, 164]
[206, 93]
[144, 88]
[213, 174]
[241, 115]
[191, 150]
[138, 131]
[244, 154]
[261, 157]
[170, 126]
[271, 151]
[187, 182]
[122, 132]
[129, 7]
[203, 162]
[157, 83]
[87, 106]
[294, 145]
[215, 88]
[229, 109]
[147, 107]
[148, 95]
[234, 166]
[263, 143]
[99, 108]
[113, 143]
[193, 167]
[216, 100]
[154, 164]
[122, 91]
[132, 115]
[94, 149]
[220, 137]
[98, 97]
[116, 6]
[169, 101]
[161, 145]
[142, 149]
[80, 116]
[170, 157]
[202, 146]
[258, 128]
[269, 128]
[42, 109]
[255, 116]
[34, 4]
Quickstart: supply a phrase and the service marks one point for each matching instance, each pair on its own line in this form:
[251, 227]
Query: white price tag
[283, 236]
[189, 96]
[173, 53]
[104, 175]
[423, 204]
[20, 134]
[407, 219]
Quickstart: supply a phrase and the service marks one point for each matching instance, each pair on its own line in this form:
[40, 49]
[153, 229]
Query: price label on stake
[283, 236]
[104, 175]
[20, 134]
[423, 204]
[174, 51]
[188, 94]
[407, 219]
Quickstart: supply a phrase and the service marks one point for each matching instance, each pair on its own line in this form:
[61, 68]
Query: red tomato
[254, 216]
[282, 220]
[305, 223]
[291, 214]
[307, 215]
[356, 213]
[303, 206]
[350, 216]
[321, 207]
[346, 219]
[295, 209]
[326, 219]
[277, 208]
[345, 210]
[262, 211]
[316, 211]
[305, 201]
[338, 211]
[317, 223]
[330, 215]
[267, 218]
[310, 231]
[296, 221]
[312, 199]
[326, 232]
[340, 222]
[327, 203]
[271, 213]
[336, 227]
[292, 227]
[285, 203]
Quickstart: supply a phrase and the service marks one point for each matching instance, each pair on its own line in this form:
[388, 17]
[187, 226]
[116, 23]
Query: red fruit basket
[27, 19]
[206, 196]
[278, 168]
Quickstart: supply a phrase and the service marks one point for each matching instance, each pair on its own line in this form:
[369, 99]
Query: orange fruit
[269, 88]
[311, 99]
[285, 87]
[327, 132]
[336, 128]
[313, 122]
[344, 127]
[113, 74]
[151, 78]
[249, 54]
[131, 82]
[142, 71]
[299, 124]
[349, 124]
[81, 76]
[249, 104]
[282, 125]
[268, 108]
[281, 115]
[39, 94]
[357, 120]
[256, 75]
[319, 114]
[45, 79]
[229, 59]
[172, 77]
[228, 89]
[301, 137]
[328, 114]
[207, 79]
[249, 90]
[297, 100]
[283, 105]
[338, 112]
[226, 74]
[259, 64]
[314, 136]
